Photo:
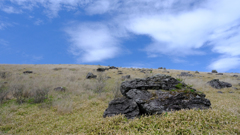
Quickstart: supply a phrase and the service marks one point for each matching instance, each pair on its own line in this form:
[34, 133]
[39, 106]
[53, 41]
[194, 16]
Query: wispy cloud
[176, 27]
[92, 42]
[11, 10]
[225, 64]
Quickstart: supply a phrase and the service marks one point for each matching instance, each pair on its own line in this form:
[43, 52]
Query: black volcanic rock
[215, 83]
[91, 75]
[123, 105]
[168, 94]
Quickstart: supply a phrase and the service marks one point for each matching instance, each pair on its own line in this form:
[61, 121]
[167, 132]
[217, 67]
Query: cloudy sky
[177, 34]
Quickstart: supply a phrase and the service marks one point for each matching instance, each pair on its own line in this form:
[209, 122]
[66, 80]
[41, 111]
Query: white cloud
[38, 22]
[92, 42]
[225, 63]
[176, 27]
[10, 10]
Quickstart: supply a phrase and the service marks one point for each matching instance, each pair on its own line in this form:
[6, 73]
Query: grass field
[79, 110]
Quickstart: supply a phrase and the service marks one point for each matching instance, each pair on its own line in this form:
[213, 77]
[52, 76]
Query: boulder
[219, 74]
[126, 77]
[160, 68]
[90, 76]
[219, 92]
[28, 72]
[196, 72]
[112, 67]
[215, 83]
[139, 101]
[235, 75]
[125, 106]
[62, 89]
[210, 73]
[100, 69]
[214, 71]
[185, 74]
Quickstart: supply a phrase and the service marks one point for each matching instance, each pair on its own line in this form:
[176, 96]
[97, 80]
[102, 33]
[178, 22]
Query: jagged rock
[106, 68]
[185, 74]
[219, 92]
[139, 96]
[108, 77]
[112, 67]
[219, 74]
[196, 72]
[126, 77]
[160, 68]
[215, 83]
[123, 105]
[62, 89]
[91, 75]
[28, 72]
[138, 101]
[235, 75]
[156, 82]
[100, 69]
[173, 101]
[214, 71]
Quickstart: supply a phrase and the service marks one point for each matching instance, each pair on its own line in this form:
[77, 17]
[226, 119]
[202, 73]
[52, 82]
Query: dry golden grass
[79, 110]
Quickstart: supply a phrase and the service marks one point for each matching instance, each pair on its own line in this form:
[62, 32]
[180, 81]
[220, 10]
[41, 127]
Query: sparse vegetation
[79, 110]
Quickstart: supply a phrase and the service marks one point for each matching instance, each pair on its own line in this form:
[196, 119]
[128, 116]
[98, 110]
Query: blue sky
[177, 34]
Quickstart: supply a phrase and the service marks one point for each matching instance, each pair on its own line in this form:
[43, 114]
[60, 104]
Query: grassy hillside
[79, 110]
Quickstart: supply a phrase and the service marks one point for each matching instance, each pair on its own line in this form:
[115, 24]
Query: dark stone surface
[196, 72]
[219, 92]
[210, 73]
[219, 74]
[160, 68]
[123, 105]
[156, 82]
[185, 74]
[214, 71]
[139, 96]
[62, 89]
[215, 83]
[235, 75]
[28, 72]
[112, 67]
[138, 100]
[90, 76]
[101, 69]
[231, 92]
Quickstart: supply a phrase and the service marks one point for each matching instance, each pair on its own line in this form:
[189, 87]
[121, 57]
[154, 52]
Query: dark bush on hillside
[39, 95]
[18, 93]
[3, 93]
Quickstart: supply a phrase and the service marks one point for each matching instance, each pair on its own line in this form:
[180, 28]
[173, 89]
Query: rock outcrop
[112, 67]
[170, 95]
[214, 71]
[101, 69]
[28, 72]
[219, 74]
[215, 83]
[90, 76]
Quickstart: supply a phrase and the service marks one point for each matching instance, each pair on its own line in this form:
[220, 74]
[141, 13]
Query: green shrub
[179, 86]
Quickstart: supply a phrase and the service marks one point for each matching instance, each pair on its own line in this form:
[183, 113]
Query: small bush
[179, 86]
[18, 93]
[100, 82]
[40, 95]
[3, 93]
